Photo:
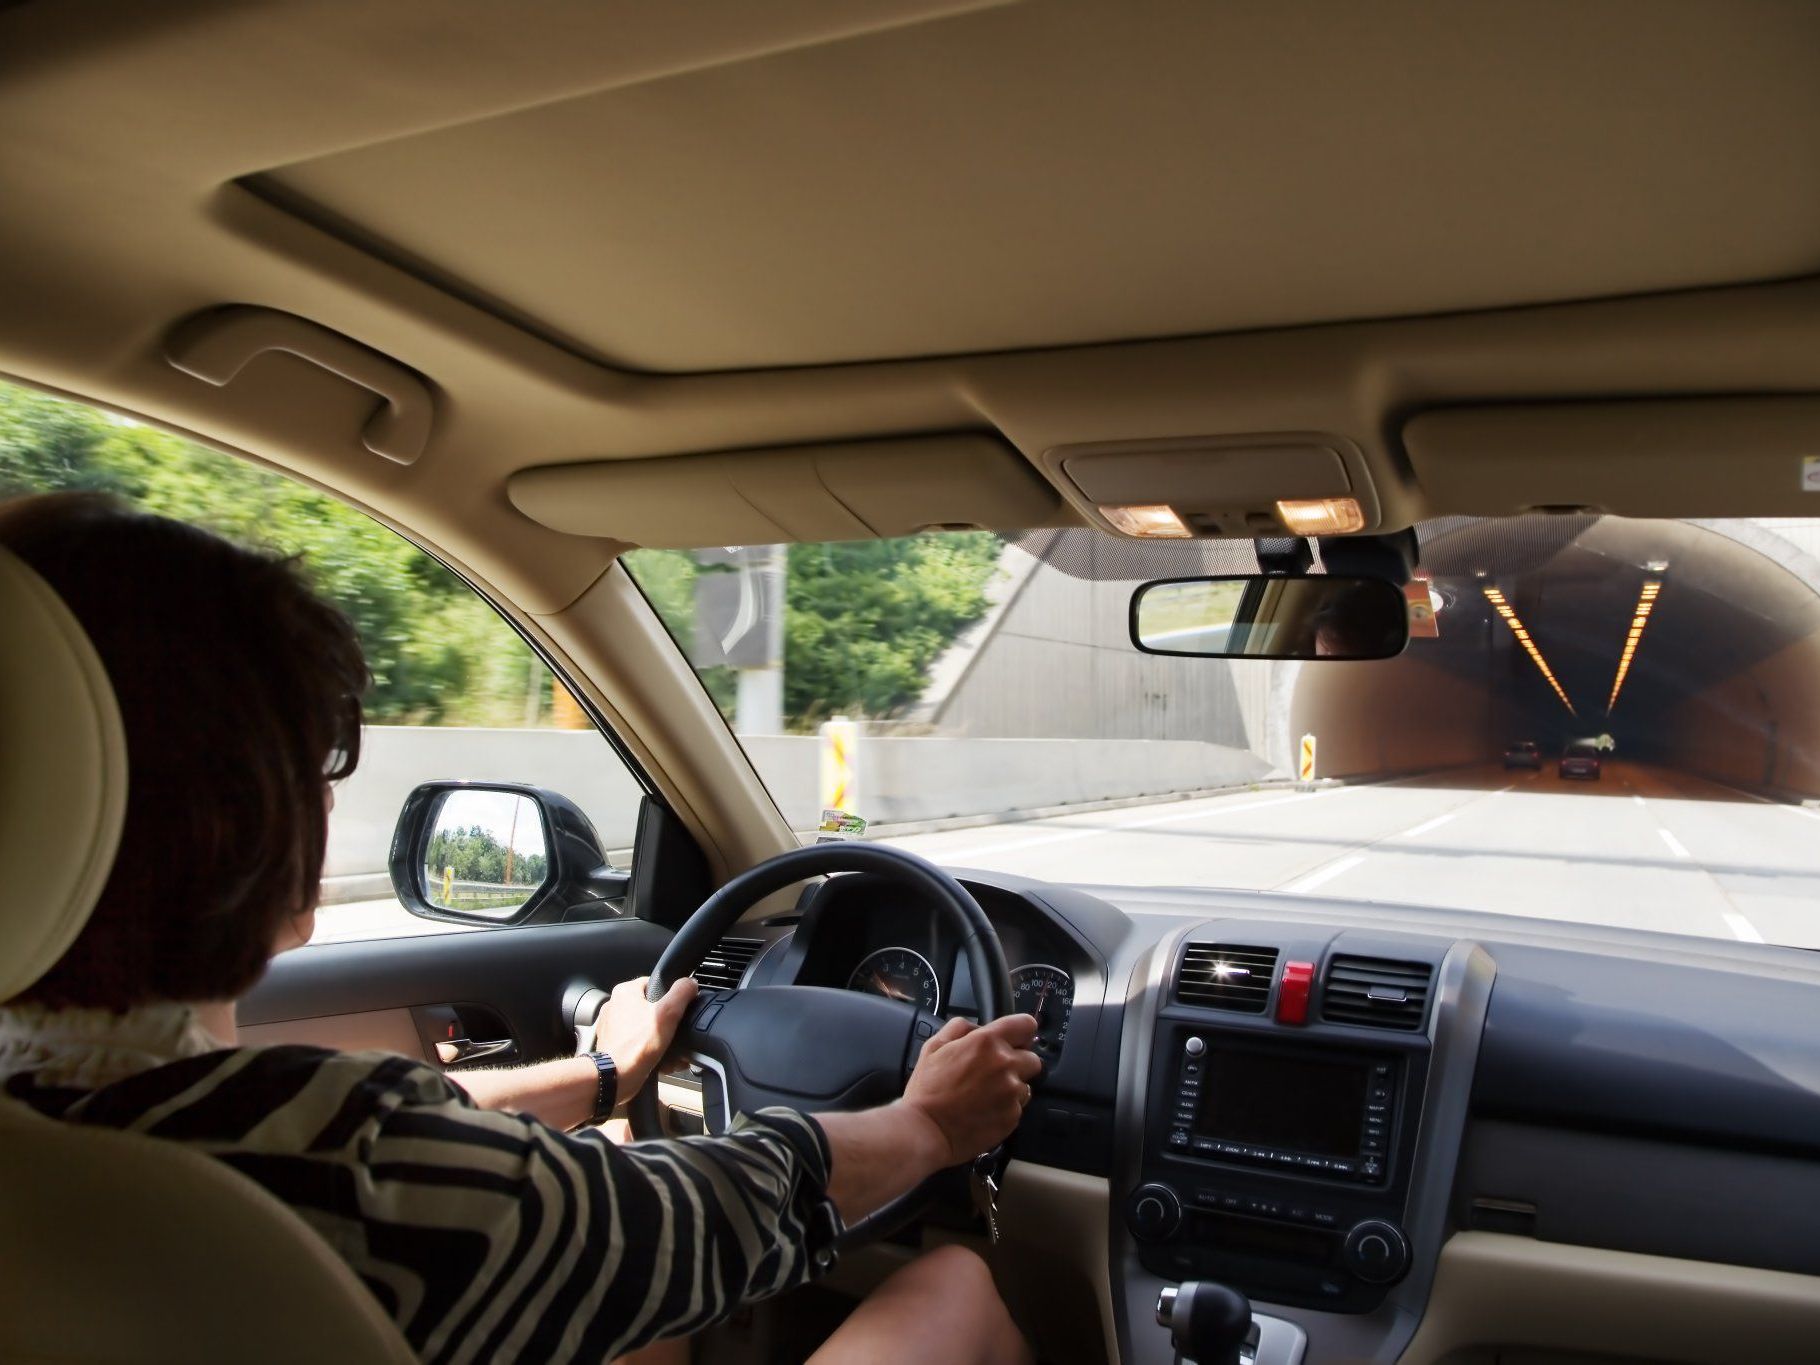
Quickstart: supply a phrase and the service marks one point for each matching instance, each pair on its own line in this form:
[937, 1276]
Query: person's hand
[972, 1083]
[635, 1033]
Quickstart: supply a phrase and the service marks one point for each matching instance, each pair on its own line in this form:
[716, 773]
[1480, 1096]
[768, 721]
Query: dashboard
[1311, 1101]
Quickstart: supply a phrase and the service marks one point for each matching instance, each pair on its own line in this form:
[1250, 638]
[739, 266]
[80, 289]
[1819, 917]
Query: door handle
[460, 1051]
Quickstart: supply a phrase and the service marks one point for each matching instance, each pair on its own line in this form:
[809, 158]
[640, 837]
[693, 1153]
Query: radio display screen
[1296, 1104]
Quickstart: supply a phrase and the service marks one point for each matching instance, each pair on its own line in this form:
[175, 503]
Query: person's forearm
[879, 1154]
[560, 1093]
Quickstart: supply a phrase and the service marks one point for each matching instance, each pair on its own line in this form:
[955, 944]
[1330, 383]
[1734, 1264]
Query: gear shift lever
[1207, 1321]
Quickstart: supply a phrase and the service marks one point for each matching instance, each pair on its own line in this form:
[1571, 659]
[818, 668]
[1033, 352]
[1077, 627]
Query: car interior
[540, 285]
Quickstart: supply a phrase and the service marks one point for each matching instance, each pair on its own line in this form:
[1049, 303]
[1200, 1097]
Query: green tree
[438, 653]
[866, 619]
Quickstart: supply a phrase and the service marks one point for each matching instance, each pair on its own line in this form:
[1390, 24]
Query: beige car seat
[116, 1247]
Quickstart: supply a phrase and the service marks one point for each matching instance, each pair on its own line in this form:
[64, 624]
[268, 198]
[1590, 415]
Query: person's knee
[959, 1284]
[957, 1270]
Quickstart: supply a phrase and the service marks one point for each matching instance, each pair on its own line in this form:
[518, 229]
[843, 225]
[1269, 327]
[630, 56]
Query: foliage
[863, 621]
[476, 856]
[439, 654]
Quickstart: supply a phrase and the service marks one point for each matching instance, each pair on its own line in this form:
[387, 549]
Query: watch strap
[606, 1092]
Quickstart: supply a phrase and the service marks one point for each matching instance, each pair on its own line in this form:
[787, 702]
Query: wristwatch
[606, 1092]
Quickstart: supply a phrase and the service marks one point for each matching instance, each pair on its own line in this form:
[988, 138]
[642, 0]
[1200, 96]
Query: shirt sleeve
[492, 1236]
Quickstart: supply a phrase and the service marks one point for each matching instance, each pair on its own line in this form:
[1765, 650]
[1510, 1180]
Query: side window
[456, 692]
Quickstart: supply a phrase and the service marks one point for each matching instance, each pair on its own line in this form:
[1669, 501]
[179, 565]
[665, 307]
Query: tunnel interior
[1723, 681]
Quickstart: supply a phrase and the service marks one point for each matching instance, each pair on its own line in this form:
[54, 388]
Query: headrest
[62, 777]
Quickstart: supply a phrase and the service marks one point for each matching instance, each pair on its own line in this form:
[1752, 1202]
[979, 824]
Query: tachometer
[1048, 993]
[899, 974]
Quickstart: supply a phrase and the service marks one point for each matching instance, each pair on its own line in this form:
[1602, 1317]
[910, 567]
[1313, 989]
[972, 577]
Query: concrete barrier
[905, 779]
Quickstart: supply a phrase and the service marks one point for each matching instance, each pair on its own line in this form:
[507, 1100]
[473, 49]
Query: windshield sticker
[1810, 474]
[837, 825]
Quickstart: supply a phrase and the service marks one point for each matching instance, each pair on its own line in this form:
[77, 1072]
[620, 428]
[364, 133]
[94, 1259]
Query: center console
[1282, 1113]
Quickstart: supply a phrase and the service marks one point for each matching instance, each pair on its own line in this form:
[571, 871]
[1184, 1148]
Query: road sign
[1305, 768]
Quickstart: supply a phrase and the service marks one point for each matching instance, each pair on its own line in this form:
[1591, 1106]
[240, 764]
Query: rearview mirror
[1258, 616]
[501, 853]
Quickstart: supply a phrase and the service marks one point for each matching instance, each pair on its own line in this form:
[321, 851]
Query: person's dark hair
[239, 690]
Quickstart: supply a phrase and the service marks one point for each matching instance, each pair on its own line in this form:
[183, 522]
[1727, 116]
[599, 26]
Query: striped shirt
[486, 1235]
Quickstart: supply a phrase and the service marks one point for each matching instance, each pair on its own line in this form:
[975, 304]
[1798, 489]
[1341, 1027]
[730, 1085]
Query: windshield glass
[1596, 719]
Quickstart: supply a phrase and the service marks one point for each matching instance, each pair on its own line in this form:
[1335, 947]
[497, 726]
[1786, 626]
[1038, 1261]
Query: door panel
[360, 995]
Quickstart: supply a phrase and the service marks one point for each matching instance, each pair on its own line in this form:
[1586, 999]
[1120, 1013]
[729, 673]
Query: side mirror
[1261, 616]
[501, 853]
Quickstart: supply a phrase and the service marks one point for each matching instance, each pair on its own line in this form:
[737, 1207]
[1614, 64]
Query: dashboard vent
[726, 963]
[1226, 976]
[1376, 992]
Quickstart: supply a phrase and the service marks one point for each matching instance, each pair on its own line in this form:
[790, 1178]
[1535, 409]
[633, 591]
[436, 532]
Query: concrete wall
[1396, 715]
[900, 778]
[1759, 729]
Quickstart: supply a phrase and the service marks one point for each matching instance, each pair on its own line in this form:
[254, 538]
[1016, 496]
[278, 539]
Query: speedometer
[899, 974]
[1048, 993]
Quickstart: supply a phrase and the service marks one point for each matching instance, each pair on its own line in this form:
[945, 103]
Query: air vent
[723, 967]
[1226, 976]
[1376, 992]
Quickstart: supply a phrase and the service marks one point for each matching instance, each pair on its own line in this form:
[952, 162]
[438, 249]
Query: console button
[1325, 1218]
[1346, 1168]
[1296, 1212]
[1194, 1047]
[1179, 1138]
[1376, 1251]
[1371, 1170]
[1206, 1146]
[1154, 1213]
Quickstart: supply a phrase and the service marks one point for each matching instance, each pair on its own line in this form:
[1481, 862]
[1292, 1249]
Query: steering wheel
[813, 1048]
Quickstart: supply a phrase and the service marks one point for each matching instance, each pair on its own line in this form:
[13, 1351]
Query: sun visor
[1709, 457]
[857, 490]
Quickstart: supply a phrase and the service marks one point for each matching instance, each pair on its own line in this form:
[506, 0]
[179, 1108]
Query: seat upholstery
[118, 1247]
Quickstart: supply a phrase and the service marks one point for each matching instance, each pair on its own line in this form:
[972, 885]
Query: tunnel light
[1646, 603]
[1521, 632]
[1153, 523]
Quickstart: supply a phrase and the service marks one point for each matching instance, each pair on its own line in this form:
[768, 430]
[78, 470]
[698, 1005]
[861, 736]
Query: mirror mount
[1285, 557]
[580, 883]
[1392, 557]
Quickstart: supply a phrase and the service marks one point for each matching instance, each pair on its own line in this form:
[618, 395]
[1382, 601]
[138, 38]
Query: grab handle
[217, 345]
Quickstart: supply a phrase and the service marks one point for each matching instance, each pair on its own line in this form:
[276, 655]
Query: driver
[492, 1222]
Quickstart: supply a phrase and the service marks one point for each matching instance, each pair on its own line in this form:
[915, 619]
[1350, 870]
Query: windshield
[1601, 720]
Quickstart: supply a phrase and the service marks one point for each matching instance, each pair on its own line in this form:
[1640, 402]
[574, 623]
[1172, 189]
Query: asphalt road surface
[1642, 848]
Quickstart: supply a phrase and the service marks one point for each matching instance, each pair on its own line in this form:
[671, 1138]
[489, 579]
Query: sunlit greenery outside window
[439, 654]
[863, 620]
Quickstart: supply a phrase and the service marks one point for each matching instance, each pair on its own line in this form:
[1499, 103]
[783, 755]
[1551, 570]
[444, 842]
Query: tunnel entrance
[1689, 647]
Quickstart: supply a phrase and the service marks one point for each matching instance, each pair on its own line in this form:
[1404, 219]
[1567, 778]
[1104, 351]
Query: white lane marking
[1742, 927]
[1322, 875]
[1426, 825]
[961, 855]
[1675, 846]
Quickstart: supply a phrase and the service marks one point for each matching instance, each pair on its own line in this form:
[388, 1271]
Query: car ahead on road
[1524, 753]
[1582, 761]
[1429, 1065]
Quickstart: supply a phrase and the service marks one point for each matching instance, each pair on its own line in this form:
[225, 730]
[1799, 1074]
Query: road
[1642, 848]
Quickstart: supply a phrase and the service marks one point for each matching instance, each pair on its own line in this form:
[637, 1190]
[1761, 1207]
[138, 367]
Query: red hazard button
[1292, 995]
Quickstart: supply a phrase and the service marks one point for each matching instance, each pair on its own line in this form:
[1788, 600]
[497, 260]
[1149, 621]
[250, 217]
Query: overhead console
[1291, 1121]
[1238, 486]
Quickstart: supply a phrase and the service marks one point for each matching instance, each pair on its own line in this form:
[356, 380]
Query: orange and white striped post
[1304, 773]
[840, 771]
